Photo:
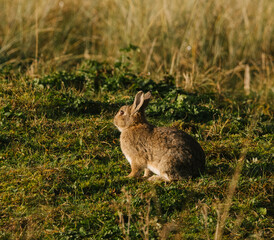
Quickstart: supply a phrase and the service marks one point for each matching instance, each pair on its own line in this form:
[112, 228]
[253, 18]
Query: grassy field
[62, 170]
[66, 67]
[207, 44]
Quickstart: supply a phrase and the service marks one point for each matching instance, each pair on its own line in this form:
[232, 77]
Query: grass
[65, 69]
[209, 44]
[62, 170]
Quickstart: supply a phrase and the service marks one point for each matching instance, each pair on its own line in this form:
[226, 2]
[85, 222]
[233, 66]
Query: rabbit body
[167, 152]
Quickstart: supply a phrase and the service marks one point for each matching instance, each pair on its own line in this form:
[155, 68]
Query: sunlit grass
[65, 69]
[62, 170]
[209, 41]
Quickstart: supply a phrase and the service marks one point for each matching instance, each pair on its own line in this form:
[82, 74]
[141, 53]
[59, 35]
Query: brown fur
[169, 153]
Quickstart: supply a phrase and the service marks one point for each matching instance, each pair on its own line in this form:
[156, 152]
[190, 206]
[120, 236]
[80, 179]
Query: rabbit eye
[122, 112]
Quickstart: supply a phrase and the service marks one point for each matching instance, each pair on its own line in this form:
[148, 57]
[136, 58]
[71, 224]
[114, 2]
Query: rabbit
[169, 153]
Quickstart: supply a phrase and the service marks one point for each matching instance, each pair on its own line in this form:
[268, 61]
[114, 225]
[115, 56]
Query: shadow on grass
[222, 168]
[249, 170]
[5, 140]
[77, 107]
[257, 170]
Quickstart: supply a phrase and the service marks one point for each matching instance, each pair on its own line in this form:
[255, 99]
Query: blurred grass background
[215, 43]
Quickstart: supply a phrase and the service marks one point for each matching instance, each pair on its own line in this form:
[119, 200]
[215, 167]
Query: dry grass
[223, 209]
[209, 41]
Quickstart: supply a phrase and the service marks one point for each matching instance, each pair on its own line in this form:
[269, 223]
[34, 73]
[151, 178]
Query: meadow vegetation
[65, 69]
[206, 44]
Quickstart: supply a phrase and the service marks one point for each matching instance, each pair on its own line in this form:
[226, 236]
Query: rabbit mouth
[120, 129]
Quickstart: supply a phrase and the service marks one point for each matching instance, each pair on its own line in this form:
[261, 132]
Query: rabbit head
[129, 116]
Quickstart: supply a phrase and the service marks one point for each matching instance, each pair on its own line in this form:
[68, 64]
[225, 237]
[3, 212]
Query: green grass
[65, 69]
[62, 170]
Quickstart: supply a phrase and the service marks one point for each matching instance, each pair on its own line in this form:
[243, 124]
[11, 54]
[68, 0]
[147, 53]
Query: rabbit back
[176, 153]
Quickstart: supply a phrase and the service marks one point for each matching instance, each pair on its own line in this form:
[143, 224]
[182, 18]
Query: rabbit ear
[140, 102]
[147, 97]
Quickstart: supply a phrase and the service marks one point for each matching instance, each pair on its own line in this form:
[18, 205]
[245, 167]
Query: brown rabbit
[167, 152]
